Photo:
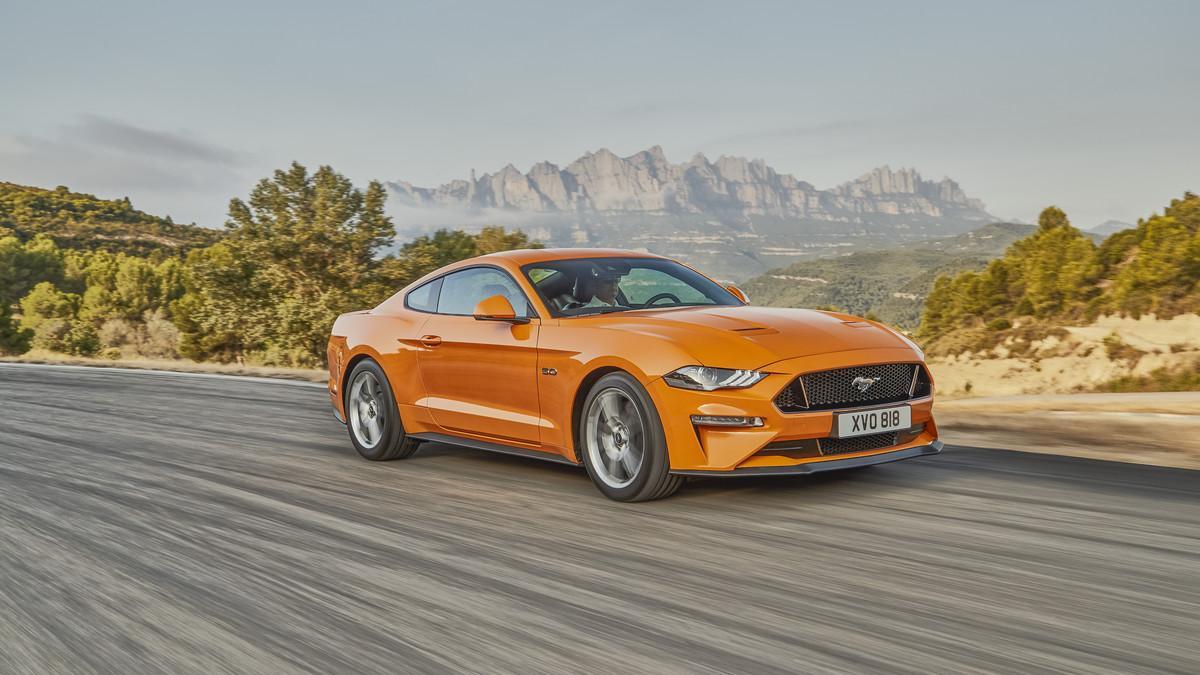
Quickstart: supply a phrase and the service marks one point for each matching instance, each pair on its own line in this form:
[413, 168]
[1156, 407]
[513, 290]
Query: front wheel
[372, 416]
[622, 441]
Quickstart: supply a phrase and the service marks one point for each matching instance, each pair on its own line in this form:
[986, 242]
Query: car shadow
[921, 471]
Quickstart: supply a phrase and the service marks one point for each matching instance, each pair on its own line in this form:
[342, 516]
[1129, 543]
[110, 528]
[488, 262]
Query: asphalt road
[153, 522]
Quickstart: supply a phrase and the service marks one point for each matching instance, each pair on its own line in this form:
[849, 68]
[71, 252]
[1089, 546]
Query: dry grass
[173, 365]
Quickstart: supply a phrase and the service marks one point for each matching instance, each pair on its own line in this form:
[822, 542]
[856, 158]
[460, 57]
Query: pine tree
[303, 249]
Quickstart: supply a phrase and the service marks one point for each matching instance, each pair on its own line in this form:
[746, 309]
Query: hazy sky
[1089, 105]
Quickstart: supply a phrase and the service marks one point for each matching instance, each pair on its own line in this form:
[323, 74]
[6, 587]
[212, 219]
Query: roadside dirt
[1084, 359]
[1158, 428]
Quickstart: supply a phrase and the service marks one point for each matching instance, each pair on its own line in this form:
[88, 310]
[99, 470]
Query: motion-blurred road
[154, 522]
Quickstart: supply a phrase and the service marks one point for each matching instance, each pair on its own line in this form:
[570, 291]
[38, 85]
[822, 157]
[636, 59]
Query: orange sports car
[636, 366]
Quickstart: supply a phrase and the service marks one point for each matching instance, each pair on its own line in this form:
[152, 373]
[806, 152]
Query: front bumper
[822, 465]
[696, 449]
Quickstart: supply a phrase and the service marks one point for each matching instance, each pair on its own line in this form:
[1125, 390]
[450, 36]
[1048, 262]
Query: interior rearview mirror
[497, 308]
[738, 293]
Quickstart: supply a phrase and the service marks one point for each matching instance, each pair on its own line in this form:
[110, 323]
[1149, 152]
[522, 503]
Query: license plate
[878, 421]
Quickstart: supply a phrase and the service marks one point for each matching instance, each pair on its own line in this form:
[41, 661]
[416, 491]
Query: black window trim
[530, 307]
[558, 315]
[436, 280]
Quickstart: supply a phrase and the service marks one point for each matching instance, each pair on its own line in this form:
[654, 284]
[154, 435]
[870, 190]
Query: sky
[1091, 106]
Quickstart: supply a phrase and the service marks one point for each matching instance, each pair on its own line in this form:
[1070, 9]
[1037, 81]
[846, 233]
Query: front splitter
[824, 465]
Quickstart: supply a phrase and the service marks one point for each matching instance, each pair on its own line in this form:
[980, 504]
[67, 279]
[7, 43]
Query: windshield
[599, 285]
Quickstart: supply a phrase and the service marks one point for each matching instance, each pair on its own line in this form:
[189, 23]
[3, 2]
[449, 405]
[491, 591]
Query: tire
[619, 419]
[372, 417]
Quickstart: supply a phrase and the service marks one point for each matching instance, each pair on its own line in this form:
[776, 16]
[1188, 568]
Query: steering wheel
[662, 296]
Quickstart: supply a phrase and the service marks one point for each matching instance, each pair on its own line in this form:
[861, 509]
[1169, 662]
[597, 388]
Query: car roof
[526, 256]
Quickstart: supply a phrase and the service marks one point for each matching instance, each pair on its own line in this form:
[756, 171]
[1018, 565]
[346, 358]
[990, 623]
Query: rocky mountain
[734, 216]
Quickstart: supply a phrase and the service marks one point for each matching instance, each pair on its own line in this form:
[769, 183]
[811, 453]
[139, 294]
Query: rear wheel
[372, 416]
[623, 444]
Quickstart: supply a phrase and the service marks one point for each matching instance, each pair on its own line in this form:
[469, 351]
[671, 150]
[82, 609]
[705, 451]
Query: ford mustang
[635, 366]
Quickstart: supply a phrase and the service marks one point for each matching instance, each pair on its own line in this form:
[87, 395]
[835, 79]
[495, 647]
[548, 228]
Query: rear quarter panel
[391, 340]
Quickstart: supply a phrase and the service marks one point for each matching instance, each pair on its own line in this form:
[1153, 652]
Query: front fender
[572, 357]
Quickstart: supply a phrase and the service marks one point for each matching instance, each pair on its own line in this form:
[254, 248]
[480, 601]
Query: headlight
[703, 378]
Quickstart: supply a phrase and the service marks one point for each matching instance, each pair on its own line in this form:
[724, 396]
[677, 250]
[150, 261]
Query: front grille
[841, 446]
[832, 389]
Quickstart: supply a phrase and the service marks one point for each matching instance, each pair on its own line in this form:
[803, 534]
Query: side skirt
[476, 444]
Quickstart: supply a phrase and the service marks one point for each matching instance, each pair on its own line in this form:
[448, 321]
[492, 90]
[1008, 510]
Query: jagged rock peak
[730, 187]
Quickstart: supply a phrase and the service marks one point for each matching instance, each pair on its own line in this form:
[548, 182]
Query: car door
[481, 376]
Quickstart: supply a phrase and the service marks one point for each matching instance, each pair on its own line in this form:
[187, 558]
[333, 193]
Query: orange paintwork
[484, 379]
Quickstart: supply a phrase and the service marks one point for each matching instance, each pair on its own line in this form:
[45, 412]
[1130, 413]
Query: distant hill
[1110, 227]
[78, 220]
[732, 217]
[891, 284]
[990, 240]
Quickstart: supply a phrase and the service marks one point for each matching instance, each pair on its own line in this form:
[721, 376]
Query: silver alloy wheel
[616, 438]
[365, 409]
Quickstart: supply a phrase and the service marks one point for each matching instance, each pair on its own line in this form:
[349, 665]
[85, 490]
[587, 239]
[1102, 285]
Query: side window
[643, 283]
[461, 291]
[424, 298]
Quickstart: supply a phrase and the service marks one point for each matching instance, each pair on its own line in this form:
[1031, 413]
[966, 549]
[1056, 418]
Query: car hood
[753, 337]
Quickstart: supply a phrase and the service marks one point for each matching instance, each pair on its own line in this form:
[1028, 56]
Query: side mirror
[738, 293]
[497, 308]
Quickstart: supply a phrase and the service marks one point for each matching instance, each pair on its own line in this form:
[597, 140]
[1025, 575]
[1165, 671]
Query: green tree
[66, 336]
[1054, 266]
[13, 338]
[44, 302]
[429, 252]
[303, 249]
[24, 265]
[1157, 269]
[124, 287]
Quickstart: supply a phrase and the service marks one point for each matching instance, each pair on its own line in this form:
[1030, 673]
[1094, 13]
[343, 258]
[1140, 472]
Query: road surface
[158, 522]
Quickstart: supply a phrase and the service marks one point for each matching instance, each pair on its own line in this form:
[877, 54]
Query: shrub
[81, 339]
[118, 333]
[45, 302]
[161, 339]
[13, 338]
[155, 337]
[50, 335]
[1186, 378]
[66, 337]
[1118, 350]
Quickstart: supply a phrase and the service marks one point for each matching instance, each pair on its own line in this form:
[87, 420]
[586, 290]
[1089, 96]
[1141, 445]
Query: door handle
[431, 340]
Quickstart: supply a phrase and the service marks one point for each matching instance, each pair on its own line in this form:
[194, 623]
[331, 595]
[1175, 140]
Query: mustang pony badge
[862, 384]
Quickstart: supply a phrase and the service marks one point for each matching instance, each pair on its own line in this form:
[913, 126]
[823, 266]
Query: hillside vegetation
[82, 221]
[301, 249]
[1057, 276]
[888, 285]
